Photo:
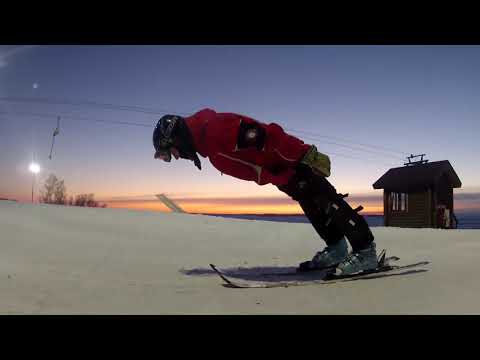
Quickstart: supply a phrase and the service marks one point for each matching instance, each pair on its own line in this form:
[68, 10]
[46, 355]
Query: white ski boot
[329, 257]
[359, 261]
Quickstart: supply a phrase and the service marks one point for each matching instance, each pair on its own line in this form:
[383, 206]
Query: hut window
[399, 201]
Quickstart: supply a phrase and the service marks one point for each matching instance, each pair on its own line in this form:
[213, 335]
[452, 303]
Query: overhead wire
[106, 106]
[356, 142]
[134, 108]
[352, 147]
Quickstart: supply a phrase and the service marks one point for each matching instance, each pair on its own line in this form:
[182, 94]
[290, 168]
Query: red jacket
[215, 136]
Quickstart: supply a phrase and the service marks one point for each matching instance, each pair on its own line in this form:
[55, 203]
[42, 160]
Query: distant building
[419, 195]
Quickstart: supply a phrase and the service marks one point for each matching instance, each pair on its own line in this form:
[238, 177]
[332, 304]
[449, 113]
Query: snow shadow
[280, 273]
[243, 271]
[260, 273]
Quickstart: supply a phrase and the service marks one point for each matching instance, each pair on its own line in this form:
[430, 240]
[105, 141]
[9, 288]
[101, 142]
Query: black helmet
[170, 131]
[164, 135]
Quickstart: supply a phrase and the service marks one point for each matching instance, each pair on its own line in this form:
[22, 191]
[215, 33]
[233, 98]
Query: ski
[313, 272]
[382, 261]
[325, 277]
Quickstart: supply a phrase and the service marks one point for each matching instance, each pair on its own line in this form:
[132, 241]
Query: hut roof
[417, 176]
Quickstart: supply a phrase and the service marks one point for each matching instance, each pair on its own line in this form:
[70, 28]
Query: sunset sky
[367, 107]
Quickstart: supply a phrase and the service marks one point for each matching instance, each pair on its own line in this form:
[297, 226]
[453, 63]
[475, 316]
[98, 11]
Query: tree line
[55, 192]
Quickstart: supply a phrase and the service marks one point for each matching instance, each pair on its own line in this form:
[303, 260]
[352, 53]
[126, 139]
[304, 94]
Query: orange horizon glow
[243, 205]
[217, 207]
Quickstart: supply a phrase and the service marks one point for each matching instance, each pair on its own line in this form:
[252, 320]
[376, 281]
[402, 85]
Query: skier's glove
[318, 162]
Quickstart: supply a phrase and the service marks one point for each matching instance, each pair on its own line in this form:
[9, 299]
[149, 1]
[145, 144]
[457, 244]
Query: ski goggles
[163, 149]
[163, 154]
[166, 154]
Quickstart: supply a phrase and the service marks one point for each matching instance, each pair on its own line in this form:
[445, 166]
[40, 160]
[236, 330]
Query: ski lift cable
[354, 148]
[46, 115]
[106, 106]
[136, 108]
[149, 126]
[354, 142]
[331, 153]
[161, 111]
[43, 115]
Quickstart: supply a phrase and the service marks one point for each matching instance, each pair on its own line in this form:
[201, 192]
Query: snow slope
[67, 260]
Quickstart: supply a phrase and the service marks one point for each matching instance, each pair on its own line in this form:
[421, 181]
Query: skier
[248, 149]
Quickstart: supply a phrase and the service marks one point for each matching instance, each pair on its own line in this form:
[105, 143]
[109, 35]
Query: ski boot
[359, 261]
[329, 257]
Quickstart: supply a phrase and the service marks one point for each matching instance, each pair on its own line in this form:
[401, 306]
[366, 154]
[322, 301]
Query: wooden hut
[419, 195]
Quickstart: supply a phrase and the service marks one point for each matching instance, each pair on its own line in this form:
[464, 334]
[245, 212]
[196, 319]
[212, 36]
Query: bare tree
[87, 200]
[46, 196]
[49, 189]
[60, 193]
[54, 191]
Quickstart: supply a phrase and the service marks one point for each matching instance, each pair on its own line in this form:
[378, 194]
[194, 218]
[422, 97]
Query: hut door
[443, 217]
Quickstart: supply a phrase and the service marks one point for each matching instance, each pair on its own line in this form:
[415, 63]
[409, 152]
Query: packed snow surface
[70, 260]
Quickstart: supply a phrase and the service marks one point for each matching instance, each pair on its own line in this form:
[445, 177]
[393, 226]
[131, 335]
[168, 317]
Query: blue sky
[414, 99]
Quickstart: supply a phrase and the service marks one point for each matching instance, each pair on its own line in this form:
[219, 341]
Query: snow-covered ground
[67, 260]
